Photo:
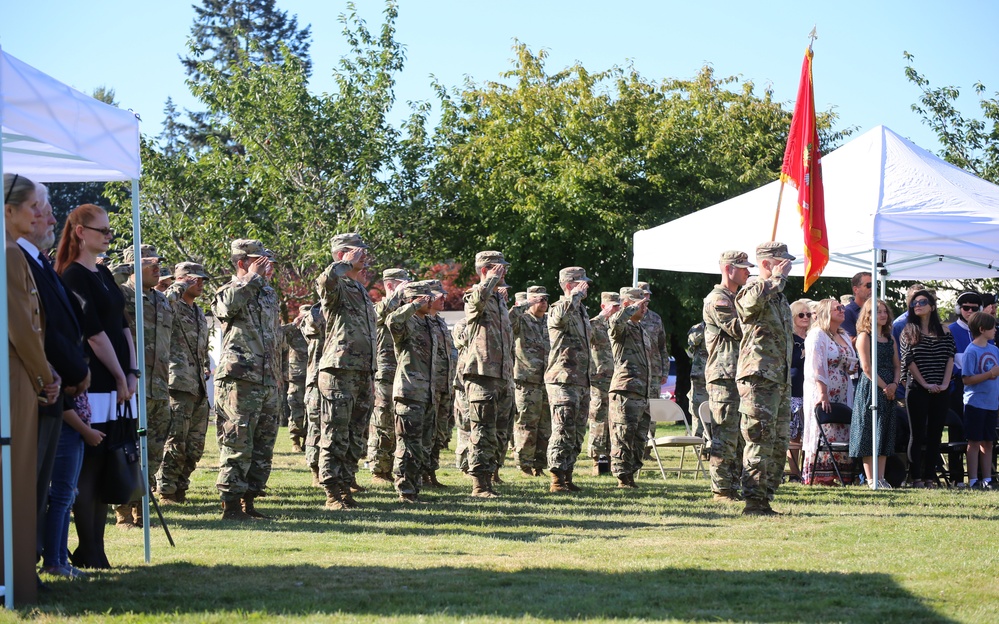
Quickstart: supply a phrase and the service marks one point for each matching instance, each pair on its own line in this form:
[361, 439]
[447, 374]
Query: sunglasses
[105, 231]
[920, 302]
[840, 308]
[866, 285]
[970, 308]
[804, 315]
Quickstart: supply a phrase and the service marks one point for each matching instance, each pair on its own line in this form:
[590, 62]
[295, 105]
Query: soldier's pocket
[409, 419]
[478, 392]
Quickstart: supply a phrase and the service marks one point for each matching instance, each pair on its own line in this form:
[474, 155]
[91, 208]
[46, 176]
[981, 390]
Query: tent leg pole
[634, 278]
[875, 274]
[5, 459]
[140, 354]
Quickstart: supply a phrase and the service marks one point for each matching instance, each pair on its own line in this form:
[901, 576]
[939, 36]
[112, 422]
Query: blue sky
[133, 46]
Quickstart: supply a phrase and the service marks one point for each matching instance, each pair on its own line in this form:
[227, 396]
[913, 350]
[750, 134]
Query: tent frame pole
[140, 355]
[876, 268]
[5, 414]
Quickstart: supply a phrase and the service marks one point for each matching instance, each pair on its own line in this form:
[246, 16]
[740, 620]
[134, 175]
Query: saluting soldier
[189, 372]
[698, 393]
[532, 424]
[246, 390]
[297, 364]
[763, 376]
[567, 378]
[629, 414]
[346, 370]
[381, 436]
[462, 423]
[602, 369]
[314, 330]
[657, 331]
[444, 362]
[722, 335]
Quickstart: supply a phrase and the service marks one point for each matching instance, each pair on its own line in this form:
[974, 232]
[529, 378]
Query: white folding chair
[666, 411]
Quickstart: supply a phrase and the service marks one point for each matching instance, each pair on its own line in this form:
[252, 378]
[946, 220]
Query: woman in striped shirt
[928, 358]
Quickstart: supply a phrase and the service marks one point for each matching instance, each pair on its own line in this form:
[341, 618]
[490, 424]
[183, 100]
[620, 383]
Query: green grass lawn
[663, 553]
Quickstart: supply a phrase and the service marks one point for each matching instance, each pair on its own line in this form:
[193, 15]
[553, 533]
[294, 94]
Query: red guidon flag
[802, 169]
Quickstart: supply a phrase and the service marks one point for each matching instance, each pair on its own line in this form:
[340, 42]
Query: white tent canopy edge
[53, 133]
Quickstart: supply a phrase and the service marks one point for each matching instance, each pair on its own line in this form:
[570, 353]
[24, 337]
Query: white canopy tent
[53, 133]
[933, 220]
[891, 208]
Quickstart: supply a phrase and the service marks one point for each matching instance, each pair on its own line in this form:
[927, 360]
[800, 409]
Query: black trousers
[927, 414]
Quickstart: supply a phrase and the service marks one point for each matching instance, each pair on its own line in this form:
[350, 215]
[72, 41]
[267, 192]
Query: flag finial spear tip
[812, 36]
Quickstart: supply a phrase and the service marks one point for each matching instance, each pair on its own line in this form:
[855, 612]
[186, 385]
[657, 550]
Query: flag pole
[780, 196]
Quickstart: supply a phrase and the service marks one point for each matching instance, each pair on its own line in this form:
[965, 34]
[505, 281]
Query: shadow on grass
[458, 592]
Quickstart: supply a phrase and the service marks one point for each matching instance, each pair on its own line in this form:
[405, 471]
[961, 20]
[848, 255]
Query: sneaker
[884, 485]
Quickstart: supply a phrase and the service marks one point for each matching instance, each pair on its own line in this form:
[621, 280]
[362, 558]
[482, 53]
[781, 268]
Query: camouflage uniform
[298, 362]
[764, 380]
[185, 443]
[487, 370]
[346, 382]
[416, 346]
[567, 377]
[697, 351]
[629, 389]
[601, 371]
[381, 436]
[443, 385]
[532, 423]
[157, 324]
[461, 408]
[314, 330]
[722, 333]
[246, 391]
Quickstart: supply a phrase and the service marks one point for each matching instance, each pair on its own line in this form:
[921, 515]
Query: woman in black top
[928, 360]
[801, 318]
[112, 362]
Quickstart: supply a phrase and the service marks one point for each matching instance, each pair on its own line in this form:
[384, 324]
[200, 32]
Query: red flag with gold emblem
[802, 169]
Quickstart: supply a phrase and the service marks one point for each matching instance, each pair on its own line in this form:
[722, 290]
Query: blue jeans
[62, 493]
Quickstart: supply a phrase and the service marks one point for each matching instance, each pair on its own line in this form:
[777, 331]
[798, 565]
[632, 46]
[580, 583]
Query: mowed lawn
[663, 553]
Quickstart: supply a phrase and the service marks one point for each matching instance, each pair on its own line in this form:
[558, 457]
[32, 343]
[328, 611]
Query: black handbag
[121, 475]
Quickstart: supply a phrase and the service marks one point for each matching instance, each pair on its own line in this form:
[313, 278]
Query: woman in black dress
[112, 357]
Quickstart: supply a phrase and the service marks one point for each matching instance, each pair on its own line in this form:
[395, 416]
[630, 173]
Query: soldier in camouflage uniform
[567, 377]
[297, 364]
[381, 436]
[314, 330]
[346, 370]
[444, 361]
[487, 370]
[601, 371]
[722, 334]
[763, 376]
[629, 414]
[165, 280]
[185, 442]
[416, 347]
[157, 326]
[660, 362]
[461, 408]
[698, 393]
[246, 391]
[532, 424]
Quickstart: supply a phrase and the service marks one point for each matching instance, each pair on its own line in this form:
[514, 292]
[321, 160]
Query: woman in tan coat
[32, 380]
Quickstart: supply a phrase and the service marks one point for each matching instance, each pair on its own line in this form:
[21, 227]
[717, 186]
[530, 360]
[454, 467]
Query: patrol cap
[248, 247]
[644, 286]
[437, 286]
[610, 297]
[736, 258]
[520, 298]
[572, 274]
[148, 251]
[538, 291]
[489, 257]
[774, 250]
[417, 289]
[345, 241]
[189, 269]
[166, 272]
[395, 274]
[634, 294]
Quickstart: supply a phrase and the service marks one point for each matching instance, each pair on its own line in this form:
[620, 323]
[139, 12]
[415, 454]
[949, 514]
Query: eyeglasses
[866, 285]
[105, 231]
[970, 308]
[804, 315]
[920, 302]
[11, 189]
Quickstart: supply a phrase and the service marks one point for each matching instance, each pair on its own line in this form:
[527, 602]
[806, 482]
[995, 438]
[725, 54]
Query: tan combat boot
[480, 486]
[296, 444]
[558, 482]
[315, 476]
[432, 479]
[250, 510]
[496, 477]
[382, 478]
[123, 516]
[334, 499]
[355, 487]
[231, 510]
[568, 482]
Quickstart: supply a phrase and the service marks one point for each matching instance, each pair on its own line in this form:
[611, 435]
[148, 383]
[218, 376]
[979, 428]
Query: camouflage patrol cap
[610, 297]
[395, 274]
[247, 248]
[345, 241]
[148, 251]
[773, 250]
[189, 269]
[417, 289]
[644, 286]
[735, 258]
[166, 272]
[520, 298]
[489, 257]
[634, 294]
[437, 286]
[572, 274]
[537, 291]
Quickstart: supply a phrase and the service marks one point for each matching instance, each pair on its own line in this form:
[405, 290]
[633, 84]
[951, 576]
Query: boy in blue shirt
[981, 398]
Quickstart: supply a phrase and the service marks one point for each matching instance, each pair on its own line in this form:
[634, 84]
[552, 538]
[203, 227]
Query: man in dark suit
[63, 347]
